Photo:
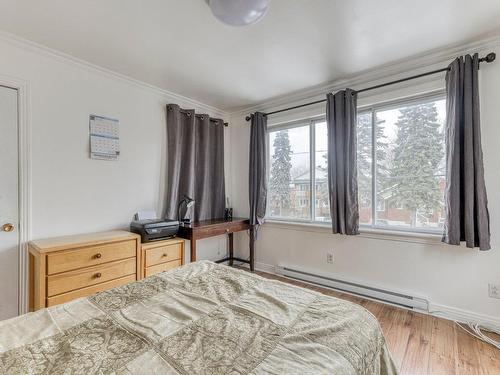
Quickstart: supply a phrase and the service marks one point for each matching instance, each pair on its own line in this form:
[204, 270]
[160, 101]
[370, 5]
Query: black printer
[153, 229]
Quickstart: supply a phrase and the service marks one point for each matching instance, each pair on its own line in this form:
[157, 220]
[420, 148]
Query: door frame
[24, 183]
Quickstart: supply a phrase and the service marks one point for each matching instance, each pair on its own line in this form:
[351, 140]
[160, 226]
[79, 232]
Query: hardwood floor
[422, 344]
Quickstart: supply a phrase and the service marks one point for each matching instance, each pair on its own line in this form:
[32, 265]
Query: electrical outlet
[494, 290]
[329, 258]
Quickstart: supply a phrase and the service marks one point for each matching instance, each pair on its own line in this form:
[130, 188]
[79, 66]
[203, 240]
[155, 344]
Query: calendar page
[104, 138]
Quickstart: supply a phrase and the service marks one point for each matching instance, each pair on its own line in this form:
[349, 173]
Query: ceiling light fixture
[238, 12]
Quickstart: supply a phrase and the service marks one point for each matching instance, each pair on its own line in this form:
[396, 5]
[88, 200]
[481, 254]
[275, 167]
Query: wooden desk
[216, 227]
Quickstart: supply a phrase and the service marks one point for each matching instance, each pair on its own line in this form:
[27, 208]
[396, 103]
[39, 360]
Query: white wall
[74, 194]
[70, 193]
[454, 279]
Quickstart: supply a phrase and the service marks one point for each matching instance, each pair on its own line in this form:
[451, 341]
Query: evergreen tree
[417, 155]
[279, 183]
[364, 160]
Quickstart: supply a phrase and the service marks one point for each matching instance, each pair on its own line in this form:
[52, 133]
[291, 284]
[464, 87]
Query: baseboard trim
[460, 315]
[263, 267]
[437, 310]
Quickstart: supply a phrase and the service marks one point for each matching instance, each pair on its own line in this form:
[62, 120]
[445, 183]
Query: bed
[201, 318]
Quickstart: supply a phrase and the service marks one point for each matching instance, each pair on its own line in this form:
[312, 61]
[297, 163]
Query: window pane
[289, 177]
[322, 202]
[365, 167]
[410, 170]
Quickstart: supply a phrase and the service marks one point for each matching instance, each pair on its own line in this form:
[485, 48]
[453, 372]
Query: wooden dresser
[159, 256]
[69, 267]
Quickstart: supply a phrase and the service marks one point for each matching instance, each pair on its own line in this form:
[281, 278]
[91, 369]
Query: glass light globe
[238, 12]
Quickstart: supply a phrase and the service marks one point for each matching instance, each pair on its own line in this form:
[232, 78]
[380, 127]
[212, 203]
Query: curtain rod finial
[490, 57]
[248, 118]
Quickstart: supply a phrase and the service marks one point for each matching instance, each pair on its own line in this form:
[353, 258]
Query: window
[291, 187]
[322, 211]
[289, 177]
[406, 140]
[401, 167]
[380, 205]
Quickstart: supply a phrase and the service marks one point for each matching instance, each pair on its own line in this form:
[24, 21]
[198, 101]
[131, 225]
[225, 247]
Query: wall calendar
[104, 138]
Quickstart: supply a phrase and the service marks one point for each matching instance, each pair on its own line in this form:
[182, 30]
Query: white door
[9, 203]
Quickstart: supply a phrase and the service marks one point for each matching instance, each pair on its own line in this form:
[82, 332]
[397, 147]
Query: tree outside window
[400, 164]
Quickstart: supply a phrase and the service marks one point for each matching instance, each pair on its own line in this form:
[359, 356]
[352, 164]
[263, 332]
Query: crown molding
[400, 67]
[411, 65]
[31, 46]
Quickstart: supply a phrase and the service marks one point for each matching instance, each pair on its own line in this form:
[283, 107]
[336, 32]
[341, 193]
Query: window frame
[311, 122]
[388, 105]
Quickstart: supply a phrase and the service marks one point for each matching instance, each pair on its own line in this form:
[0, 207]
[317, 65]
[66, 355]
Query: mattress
[201, 318]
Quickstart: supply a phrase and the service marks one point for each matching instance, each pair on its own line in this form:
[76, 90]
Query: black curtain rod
[490, 57]
[226, 124]
[202, 115]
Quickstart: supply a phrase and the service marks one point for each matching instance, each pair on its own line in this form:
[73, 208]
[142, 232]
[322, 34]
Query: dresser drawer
[68, 281]
[162, 254]
[162, 267]
[84, 292]
[89, 256]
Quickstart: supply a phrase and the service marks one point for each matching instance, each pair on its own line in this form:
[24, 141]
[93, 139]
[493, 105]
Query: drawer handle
[165, 255]
[98, 255]
[97, 275]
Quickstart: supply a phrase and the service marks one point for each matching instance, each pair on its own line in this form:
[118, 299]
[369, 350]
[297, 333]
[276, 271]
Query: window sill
[378, 234]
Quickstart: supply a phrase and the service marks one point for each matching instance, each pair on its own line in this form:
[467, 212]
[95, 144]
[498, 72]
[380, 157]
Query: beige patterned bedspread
[202, 318]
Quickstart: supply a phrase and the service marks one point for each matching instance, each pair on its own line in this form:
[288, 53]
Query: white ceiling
[177, 44]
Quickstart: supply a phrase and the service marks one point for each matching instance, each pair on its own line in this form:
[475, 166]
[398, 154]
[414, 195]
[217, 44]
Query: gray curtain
[195, 163]
[342, 173]
[258, 168]
[467, 217]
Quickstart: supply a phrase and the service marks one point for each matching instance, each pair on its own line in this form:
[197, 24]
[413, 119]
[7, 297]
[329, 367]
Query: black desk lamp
[188, 202]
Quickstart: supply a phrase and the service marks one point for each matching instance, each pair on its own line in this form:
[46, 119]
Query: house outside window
[381, 205]
[402, 190]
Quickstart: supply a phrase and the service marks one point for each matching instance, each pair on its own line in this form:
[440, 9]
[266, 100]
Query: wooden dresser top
[80, 240]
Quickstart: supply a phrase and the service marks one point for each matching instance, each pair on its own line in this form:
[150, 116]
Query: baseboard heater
[377, 294]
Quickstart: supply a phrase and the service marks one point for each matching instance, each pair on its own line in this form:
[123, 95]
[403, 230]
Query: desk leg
[192, 246]
[231, 248]
[252, 247]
